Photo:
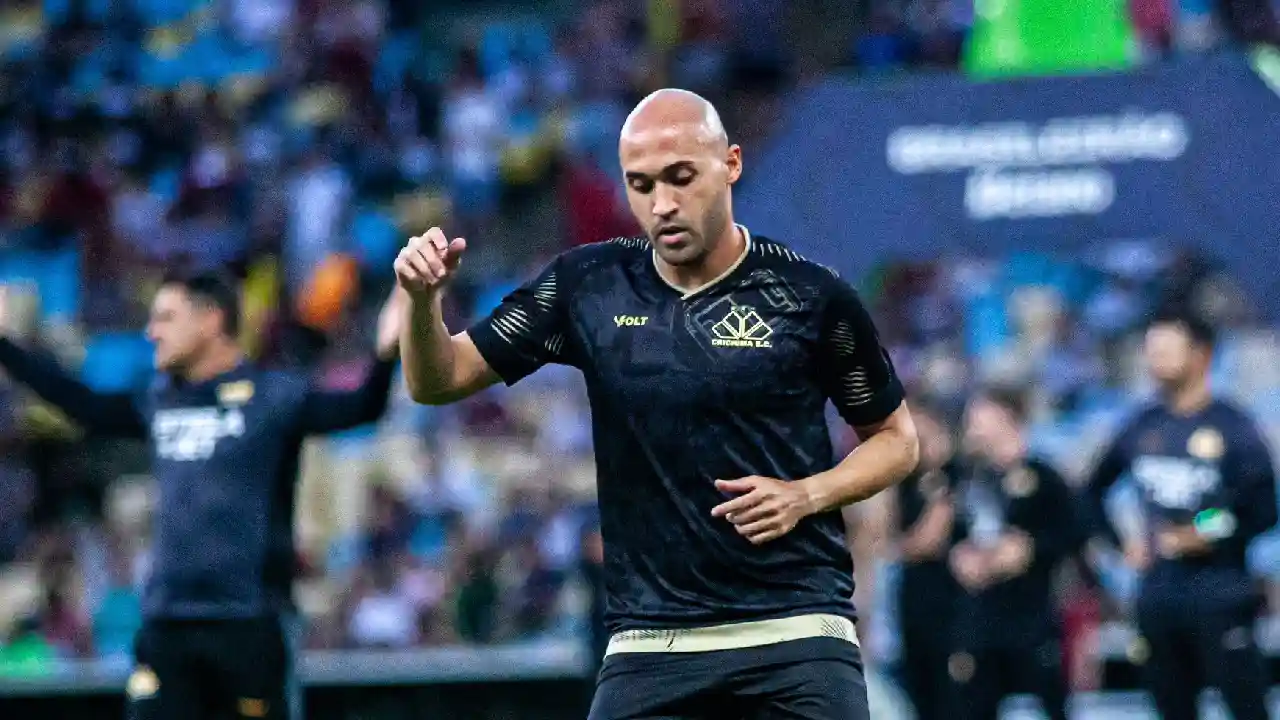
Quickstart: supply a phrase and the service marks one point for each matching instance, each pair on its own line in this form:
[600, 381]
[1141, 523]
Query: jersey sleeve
[99, 414]
[324, 411]
[1111, 465]
[1254, 473]
[528, 329]
[856, 373]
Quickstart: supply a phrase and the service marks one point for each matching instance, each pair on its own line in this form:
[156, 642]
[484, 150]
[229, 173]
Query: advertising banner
[1186, 154]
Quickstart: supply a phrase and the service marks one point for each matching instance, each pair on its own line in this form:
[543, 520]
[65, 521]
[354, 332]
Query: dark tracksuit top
[1213, 463]
[225, 457]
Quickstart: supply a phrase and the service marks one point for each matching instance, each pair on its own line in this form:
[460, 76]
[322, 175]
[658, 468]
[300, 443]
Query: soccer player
[1207, 486]
[925, 513]
[225, 436]
[1014, 527]
[709, 355]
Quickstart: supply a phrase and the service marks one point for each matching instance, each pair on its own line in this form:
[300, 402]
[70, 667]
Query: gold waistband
[734, 636]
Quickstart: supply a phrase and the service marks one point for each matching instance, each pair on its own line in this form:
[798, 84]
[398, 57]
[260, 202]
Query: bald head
[674, 111]
[678, 167]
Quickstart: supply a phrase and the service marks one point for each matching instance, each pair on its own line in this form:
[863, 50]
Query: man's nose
[664, 202]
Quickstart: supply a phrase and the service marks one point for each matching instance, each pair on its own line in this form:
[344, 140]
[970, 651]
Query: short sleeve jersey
[688, 388]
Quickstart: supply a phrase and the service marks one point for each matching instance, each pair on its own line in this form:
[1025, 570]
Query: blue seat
[162, 12]
[429, 539]
[394, 57]
[377, 238]
[345, 553]
[59, 283]
[58, 11]
[167, 183]
[117, 362]
[56, 275]
[986, 324]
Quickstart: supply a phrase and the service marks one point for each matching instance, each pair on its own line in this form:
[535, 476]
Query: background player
[709, 356]
[1208, 489]
[924, 513]
[1014, 528]
[225, 437]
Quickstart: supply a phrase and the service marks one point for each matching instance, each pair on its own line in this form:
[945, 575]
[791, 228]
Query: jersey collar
[686, 293]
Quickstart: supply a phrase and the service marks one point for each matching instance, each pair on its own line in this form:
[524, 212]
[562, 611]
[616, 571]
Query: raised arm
[524, 333]
[331, 411]
[103, 415]
[439, 367]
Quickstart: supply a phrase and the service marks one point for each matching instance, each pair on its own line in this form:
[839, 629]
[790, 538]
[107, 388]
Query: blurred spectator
[384, 615]
[318, 197]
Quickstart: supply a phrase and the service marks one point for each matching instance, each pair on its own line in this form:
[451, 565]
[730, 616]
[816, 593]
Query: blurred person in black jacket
[1207, 487]
[1014, 526]
[924, 513]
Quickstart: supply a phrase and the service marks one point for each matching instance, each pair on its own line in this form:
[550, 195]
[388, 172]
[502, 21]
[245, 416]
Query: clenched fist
[428, 262]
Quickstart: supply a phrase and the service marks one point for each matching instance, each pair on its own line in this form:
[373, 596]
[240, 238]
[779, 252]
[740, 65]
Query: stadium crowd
[274, 137]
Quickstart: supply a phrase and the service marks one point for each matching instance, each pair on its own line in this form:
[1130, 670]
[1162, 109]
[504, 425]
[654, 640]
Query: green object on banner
[1048, 37]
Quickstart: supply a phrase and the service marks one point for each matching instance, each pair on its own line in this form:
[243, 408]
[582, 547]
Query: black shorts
[810, 679]
[196, 669]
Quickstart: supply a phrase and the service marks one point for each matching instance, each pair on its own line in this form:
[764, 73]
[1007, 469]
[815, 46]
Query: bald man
[709, 357]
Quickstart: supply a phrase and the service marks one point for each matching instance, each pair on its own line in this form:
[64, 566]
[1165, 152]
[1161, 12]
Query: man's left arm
[1256, 508]
[859, 379]
[1252, 510]
[333, 411]
[857, 376]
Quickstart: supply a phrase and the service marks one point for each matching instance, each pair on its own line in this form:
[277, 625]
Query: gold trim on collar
[686, 293]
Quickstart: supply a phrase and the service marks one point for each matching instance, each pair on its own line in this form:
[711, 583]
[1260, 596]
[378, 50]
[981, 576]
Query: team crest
[142, 684]
[235, 393]
[961, 666]
[742, 327]
[252, 707]
[1206, 444]
[1020, 482]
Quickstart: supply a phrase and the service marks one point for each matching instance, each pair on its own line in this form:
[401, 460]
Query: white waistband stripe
[735, 636]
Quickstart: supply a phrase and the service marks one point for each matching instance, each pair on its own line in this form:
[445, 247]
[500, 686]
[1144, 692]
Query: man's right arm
[526, 331]
[439, 368]
[109, 415]
[1113, 464]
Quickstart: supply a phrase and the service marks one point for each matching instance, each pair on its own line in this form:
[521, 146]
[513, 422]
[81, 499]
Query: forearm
[97, 413]
[880, 462]
[1097, 519]
[325, 412]
[426, 350]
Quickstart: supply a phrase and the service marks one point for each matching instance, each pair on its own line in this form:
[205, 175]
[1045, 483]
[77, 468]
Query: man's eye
[642, 186]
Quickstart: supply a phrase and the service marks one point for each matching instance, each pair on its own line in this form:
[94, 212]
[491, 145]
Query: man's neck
[1189, 399]
[728, 251]
[217, 361]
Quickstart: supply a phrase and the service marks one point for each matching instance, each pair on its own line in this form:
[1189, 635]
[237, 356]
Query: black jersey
[1031, 498]
[225, 459]
[927, 590]
[689, 388]
[1210, 466]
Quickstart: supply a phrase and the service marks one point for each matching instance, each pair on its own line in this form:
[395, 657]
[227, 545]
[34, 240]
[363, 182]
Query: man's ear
[733, 160]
